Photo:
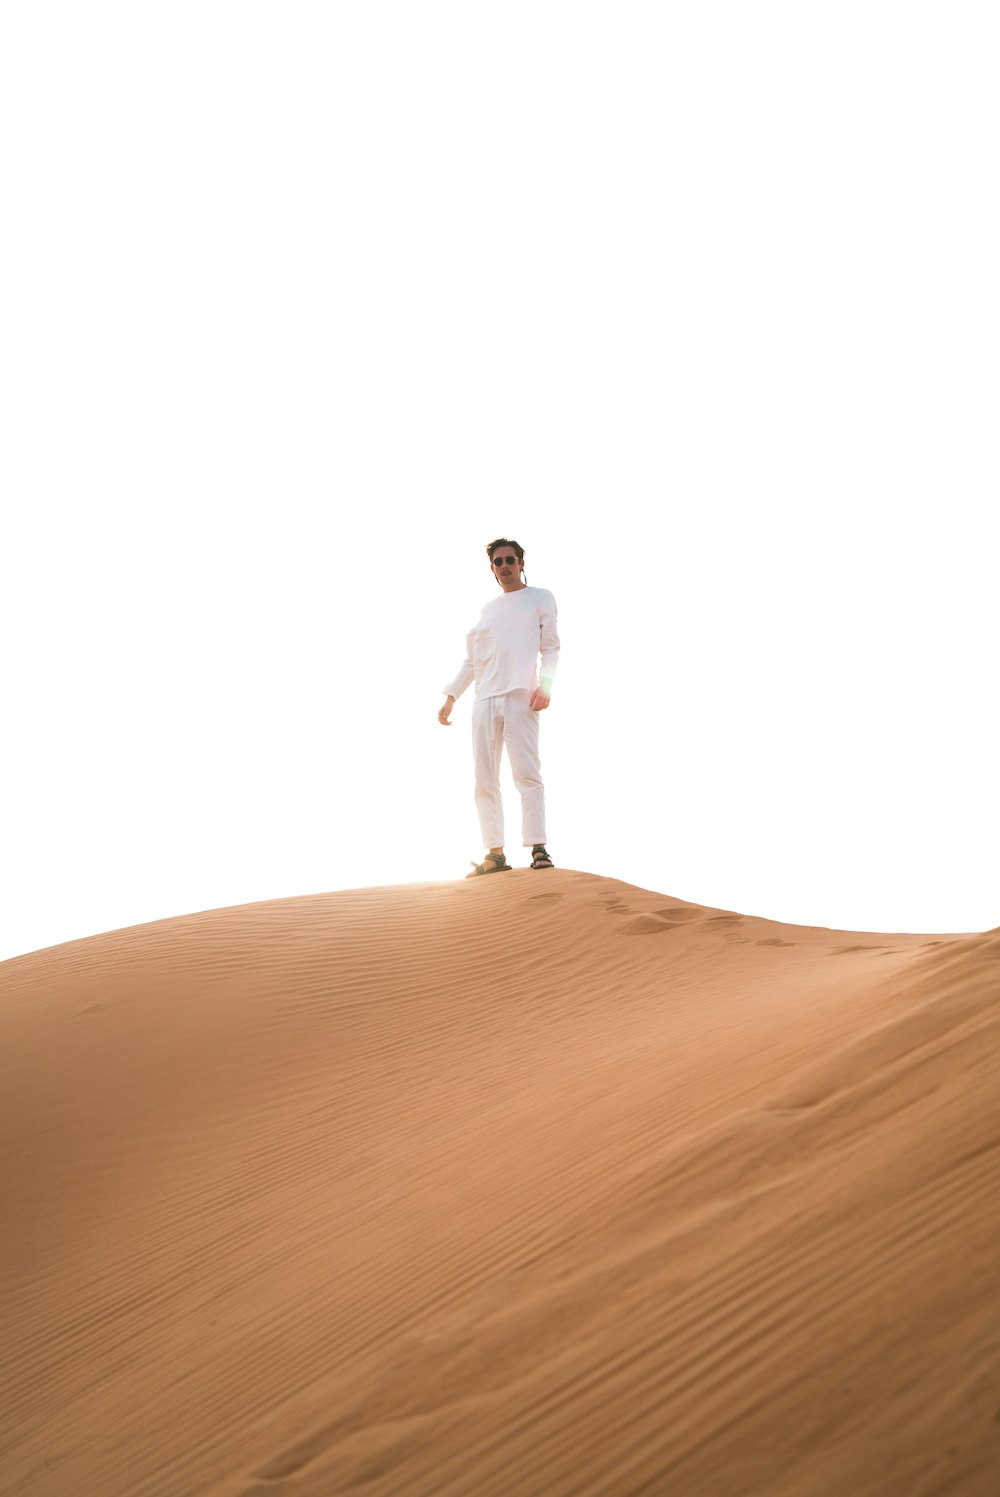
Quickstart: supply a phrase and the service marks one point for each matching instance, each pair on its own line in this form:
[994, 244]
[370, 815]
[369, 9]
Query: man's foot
[540, 858]
[494, 862]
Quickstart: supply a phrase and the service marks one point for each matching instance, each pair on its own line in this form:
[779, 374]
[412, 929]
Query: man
[502, 653]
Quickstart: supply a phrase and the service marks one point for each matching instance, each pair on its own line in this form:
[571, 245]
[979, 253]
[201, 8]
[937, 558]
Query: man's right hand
[445, 712]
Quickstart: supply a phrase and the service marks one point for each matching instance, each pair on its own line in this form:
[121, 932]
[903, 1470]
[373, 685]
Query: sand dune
[531, 1185]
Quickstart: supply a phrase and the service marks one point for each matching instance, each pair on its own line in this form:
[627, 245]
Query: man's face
[506, 567]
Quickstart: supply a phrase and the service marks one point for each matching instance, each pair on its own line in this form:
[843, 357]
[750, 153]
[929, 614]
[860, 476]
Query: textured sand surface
[533, 1184]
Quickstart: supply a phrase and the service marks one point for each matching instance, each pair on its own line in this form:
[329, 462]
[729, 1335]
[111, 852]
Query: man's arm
[548, 644]
[454, 689]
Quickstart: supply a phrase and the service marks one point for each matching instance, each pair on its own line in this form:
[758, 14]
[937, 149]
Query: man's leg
[487, 742]
[521, 735]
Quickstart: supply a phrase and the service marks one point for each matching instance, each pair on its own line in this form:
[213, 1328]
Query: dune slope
[534, 1184]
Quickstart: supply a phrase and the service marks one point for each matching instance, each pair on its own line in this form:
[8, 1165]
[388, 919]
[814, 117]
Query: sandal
[540, 858]
[501, 865]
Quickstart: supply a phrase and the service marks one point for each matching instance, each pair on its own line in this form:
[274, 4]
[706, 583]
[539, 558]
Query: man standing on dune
[502, 653]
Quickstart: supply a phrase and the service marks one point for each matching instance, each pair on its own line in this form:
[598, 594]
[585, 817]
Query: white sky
[305, 303]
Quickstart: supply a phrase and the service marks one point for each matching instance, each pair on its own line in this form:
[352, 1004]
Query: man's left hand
[539, 700]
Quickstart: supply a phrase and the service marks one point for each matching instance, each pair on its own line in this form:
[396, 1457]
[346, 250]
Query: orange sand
[530, 1185]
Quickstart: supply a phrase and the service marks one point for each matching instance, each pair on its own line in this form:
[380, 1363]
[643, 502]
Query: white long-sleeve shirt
[502, 649]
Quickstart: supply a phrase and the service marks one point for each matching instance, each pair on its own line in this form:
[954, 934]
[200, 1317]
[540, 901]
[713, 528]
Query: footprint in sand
[845, 950]
[646, 925]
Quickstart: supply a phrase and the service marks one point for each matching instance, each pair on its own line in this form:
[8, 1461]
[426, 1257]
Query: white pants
[507, 720]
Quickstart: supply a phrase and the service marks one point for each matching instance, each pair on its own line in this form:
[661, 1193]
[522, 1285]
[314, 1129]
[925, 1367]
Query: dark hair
[503, 541]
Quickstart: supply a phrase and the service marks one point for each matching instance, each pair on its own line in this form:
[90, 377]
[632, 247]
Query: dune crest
[539, 1184]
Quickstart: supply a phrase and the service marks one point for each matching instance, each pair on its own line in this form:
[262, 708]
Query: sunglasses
[510, 561]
